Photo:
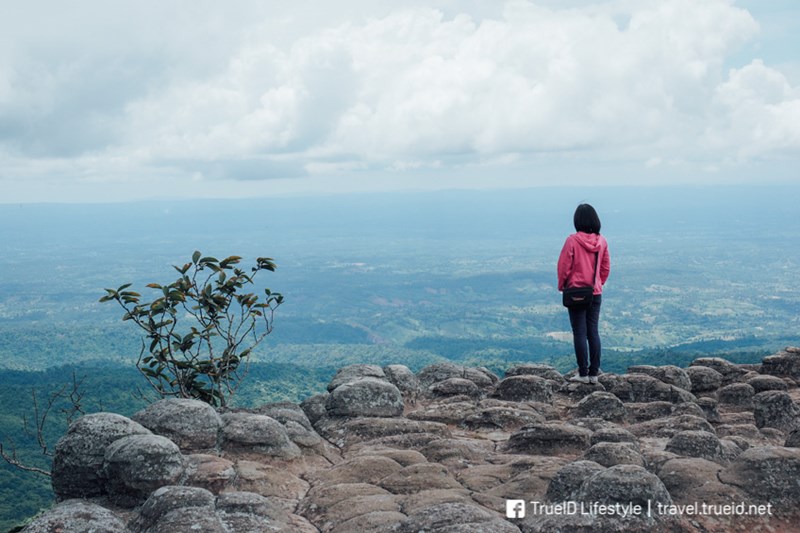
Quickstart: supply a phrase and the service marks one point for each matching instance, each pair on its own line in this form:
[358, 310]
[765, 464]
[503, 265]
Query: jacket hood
[590, 241]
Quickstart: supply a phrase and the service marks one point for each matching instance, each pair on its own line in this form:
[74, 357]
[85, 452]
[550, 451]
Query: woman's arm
[565, 263]
[605, 266]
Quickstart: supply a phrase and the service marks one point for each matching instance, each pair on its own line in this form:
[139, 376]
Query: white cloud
[759, 113]
[276, 92]
[415, 83]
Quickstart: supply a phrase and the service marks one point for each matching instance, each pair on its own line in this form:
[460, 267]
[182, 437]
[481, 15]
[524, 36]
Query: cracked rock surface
[442, 449]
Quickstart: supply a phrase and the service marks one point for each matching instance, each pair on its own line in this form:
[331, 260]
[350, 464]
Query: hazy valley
[396, 278]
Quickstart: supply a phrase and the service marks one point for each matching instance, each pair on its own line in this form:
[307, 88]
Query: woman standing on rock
[584, 262]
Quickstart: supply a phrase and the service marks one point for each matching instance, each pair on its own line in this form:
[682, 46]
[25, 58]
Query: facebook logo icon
[515, 508]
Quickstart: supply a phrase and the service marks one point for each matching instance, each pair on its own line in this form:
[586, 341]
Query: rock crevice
[443, 449]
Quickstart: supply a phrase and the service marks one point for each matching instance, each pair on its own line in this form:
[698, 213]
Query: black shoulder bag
[577, 297]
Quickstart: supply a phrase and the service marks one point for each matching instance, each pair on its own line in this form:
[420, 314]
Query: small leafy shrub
[200, 329]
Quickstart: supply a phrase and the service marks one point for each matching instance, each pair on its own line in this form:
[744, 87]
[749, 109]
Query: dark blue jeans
[584, 324]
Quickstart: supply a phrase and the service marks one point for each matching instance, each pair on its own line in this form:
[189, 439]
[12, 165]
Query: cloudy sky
[107, 101]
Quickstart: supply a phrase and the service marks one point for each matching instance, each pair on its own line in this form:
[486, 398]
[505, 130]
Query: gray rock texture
[729, 371]
[403, 378]
[191, 424]
[776, 409]
[704, 379]
[314, 407]
[645, 388]
[529, 369]
[600, 405]
[700, 444]
[453, 517]
[669, 374]
[137, 465]
[767, 474]
[431, 374]
[793, 440]
[355, 372]
[365, 397]
[710, 410]
[762, 383]
[613, 434]
[442, 451]
[549, 438]
[624, 484]
[784, 364]
[568, 480]
[738, 394]
[614, 453]
[79, 454]
[256, 433]
[77, 515]
[523, 388]
[168, 499]
[454, 387]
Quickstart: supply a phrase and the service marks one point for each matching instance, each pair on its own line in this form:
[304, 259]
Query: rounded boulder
[700, 444]
[137, 465]
[369, 397]
[257, 433]
[614, 453]
[78, 460]
[737, 395]
[353, 373]
[624, 484]
[191, 424]
[442, 371]
[550, 438]
[767, 473]
[531, 369]
[454, 387]
[168, 499]
[762, 383]
[314, 407]
[403, 378]
[600, 405]
[669, 374]
[77, 515]
[730, 372]
[568, 480]
[525, 388]
[704, 379]
[775, 409]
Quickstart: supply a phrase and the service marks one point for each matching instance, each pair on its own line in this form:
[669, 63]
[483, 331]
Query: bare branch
[14, 461]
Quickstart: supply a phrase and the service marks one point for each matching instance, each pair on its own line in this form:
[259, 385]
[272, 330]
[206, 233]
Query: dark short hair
[586, 219]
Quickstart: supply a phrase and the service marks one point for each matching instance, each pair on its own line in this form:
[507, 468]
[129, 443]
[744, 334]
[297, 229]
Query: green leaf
[232, 260]
[177, 296]
[196, 256]
[122, 288]
[183, 269]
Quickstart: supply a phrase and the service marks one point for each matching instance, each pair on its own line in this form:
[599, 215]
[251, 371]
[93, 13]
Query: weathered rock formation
[444, 449]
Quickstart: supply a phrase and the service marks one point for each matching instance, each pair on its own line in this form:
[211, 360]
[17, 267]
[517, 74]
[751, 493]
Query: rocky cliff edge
[713, 447]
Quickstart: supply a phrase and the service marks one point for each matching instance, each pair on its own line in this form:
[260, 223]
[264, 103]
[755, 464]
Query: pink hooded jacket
[576, 262]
